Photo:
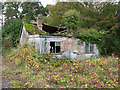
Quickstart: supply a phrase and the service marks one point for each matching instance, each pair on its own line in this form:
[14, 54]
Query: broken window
[89, 47]
[55, 47]
[86, 47]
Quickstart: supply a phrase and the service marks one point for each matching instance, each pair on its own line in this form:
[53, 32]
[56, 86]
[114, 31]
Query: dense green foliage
[10, 10]
[91, 35]
[70, 20]
[47, 71]
[29, 10]
[11, 30]
[102, 17]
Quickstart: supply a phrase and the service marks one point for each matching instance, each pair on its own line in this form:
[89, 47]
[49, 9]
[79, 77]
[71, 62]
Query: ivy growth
[91, 35]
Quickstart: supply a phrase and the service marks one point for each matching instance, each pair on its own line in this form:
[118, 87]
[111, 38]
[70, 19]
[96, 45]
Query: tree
[32, 9]
[70, 20]
[11, 30]
[13, 17]
[11, 10]
[56, 12]
[109, 22]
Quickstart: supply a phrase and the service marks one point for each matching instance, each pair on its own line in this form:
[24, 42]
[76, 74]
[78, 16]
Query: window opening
[89, 47]
[55, 47]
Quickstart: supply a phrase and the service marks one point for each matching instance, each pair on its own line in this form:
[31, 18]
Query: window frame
[55, 47]
[89, 48]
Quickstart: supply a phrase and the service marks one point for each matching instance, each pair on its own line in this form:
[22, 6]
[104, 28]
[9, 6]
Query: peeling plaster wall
[69, 47]
[34, 40]
[72, 49]
[45, 44]
[71, 44]
[24, 36]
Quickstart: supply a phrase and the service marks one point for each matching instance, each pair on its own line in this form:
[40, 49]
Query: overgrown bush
[91, 35]
[111, 45]
[29, 57]
[12, 29]
[6, 45]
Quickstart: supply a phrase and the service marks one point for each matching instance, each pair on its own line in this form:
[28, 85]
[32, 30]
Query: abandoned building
[59, 46]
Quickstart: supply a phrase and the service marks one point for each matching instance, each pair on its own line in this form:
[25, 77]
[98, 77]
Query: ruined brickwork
[72, 45]
[39, 21]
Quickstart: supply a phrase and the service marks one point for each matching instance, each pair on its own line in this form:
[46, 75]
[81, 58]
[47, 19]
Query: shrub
[12, 29]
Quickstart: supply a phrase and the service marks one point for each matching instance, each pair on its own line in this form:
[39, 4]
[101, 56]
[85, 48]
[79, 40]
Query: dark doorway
[52, 45]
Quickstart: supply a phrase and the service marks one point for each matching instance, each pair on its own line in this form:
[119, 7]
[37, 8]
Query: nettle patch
[63, 73]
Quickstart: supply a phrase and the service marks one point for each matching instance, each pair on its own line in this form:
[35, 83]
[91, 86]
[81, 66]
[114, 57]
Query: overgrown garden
[93, 22]
[47, 71]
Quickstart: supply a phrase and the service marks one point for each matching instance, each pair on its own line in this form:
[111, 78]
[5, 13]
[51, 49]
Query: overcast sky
[45, 2]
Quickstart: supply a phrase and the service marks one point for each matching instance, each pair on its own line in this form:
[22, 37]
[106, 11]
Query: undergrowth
[55, 72]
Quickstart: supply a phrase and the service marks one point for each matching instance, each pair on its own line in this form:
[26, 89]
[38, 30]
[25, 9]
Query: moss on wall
[30, 28]
[33, 30]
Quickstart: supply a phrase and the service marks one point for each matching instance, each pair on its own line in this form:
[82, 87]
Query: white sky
[45, 2]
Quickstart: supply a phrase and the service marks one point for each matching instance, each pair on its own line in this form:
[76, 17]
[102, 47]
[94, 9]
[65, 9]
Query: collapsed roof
[51, 29]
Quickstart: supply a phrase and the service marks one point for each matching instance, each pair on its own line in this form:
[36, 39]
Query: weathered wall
[72, 49]
[24, 36]
[45, 44]
[34, 40]
[69, 47]
[72, 45]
